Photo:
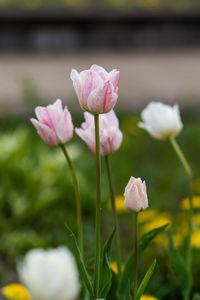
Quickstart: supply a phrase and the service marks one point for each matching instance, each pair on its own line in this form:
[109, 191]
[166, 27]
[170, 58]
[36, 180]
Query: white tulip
[50, 274]
[162, 121]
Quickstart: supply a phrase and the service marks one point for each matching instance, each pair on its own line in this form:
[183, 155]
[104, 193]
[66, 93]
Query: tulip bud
[161, 121]
[109, 133]
[96, 89]
[136, 195]
[50, 274]
[54, 125]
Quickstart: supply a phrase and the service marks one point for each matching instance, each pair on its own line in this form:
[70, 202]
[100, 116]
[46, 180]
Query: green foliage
[106, 273]
[180, 268]
[127, 275]
[84, 276]
[36, 195]
[145, 280]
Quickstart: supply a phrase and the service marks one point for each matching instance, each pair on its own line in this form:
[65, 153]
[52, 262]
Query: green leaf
[146, 238]
[84, 295]
[179, 268]
[112, 295]
[129, 297]
[145, 280]
[106, 273]
[79, 260]
[127, 275]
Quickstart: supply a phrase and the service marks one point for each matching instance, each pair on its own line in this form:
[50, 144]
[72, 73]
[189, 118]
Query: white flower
[50, 274]
[162, 121]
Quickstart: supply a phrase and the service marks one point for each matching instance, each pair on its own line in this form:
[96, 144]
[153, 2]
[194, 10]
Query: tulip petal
[114, 78]
[77, 83]
[46, 133]
[64, 128]
[88, 136]
[91, 80]
[102, 100]
[101, 71]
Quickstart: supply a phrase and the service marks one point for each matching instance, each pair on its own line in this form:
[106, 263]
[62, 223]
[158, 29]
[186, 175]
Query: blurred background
[156, 46]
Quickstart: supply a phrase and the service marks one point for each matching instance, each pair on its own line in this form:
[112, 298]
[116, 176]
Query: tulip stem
[115, 217]
[135, 256]
[78, 200]
[98, 209]
[190, 222]
[181, 156]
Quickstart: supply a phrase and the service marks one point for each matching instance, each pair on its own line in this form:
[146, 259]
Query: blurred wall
[157, 51]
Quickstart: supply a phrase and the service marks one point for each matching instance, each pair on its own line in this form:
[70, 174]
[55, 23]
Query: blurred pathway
[167, 76]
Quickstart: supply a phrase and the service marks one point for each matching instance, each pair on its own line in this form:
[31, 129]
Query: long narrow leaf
[129, 292]
[112, 295]
[147, 237]
[81, 267]
[106, 273]
[145, 280]
[179, 268]
[127, 275]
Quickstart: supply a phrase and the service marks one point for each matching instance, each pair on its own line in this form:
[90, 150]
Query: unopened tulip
[50, 274]
[136, 195]
[54, 125]
[96, 89]
[161, 121]
[109, 132]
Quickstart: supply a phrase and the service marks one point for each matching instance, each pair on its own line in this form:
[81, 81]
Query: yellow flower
[178, 239]
[196, 239]
[16, 291]
[185, 205]
[146, 215]
[161, 240]
[119, 203]
[148, 297]
[113, 266]
[161, 219]
[197, 219]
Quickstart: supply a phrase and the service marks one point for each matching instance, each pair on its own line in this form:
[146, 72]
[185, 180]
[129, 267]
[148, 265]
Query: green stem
[135, 257]
[181, 156]
[190, 229]
[190, 222]
[115, 217]
[98, 209]
[78, 200]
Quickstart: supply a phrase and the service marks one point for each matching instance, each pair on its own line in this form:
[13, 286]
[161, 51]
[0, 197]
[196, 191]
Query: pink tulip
[54, 125]
[96, 89]
[136, 195]
[110, 134]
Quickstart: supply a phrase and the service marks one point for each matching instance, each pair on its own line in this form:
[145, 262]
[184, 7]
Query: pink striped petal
[114, 78]
[47, 134]
[65, 127]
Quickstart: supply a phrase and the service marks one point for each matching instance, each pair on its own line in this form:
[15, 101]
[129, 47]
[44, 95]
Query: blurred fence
[73, 29]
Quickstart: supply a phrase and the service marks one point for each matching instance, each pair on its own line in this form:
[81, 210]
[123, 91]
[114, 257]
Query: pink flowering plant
[97, 92]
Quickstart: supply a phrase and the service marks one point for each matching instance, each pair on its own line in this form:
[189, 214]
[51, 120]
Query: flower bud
[136, 195]
[96, 89]
[161, 121]
[50, 274]
[109, 133]
[54, 125]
